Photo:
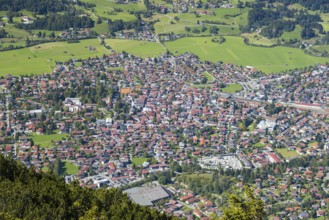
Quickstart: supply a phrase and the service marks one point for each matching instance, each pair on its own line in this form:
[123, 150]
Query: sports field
[234, 50]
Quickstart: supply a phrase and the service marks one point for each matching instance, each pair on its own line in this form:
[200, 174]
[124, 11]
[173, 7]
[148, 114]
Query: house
[303, 215]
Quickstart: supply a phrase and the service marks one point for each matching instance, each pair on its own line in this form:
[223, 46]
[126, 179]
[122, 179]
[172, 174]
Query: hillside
[25, 194]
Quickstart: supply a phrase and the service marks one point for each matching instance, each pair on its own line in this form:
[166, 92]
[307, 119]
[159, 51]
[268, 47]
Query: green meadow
[46, 141]
[139, 160]
[229, 19]
[42, 58]
[232, 88]
[234, 50]
[138, 48]
[209, 77]
[286, 153]
[70, 168]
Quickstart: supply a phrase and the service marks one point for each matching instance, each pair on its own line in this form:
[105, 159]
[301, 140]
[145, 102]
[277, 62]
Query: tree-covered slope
[26, 194]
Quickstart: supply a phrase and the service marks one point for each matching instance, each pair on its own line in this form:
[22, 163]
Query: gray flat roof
[146, 195]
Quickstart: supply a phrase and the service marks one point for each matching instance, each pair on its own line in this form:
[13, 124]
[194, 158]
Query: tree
[188, 29]
[214, 30]
[248, 208]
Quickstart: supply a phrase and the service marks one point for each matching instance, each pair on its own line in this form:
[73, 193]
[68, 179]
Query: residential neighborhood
[121, 119]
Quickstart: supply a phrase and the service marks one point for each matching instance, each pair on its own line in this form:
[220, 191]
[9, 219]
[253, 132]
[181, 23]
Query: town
[121, 120]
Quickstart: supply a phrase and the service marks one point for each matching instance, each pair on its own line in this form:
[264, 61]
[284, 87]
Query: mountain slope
[25, 194]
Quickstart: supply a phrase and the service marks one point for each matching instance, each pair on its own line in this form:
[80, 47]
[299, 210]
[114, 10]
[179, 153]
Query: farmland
[234, 50]
[42, 58]
[138, 48]
[195, 26]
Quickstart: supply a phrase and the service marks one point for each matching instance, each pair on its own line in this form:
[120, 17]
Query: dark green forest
[40, 7]
[26, 194]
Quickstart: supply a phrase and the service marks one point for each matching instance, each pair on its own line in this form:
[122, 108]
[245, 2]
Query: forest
[42, 7]
[58, 22]
[26, 194]
[274, 22]
[322, 5]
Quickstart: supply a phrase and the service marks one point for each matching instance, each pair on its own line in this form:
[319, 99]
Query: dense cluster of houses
[158, 108]
[301, 191]
[308, 88]
[186, 204]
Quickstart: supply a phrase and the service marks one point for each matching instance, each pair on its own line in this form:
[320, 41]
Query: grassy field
[230, 20]
[287, 153]
[198, 176]
[70, 168]
[325, 23]
[209, 77]
[110, 5]
[232, 88]
[314, 144]
[234, 50]
[139, 160]
[321, 48]
[137, 48]
[259, 145]
[295, 34]
[41, 58]
[106, 9]
[45, 141]
[257, 39]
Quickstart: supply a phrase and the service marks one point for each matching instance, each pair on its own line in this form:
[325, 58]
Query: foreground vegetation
[25, 194]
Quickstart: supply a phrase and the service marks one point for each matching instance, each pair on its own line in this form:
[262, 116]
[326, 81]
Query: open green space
[234, 50]
[295, 34]
[286, 153]
[232, 88]
[227, 21]
[325, 23]
[257, 39]
[196, 176]
[259, 145]
[45, 169]
[138, 48]
[42, 58]
[321, 48]
[111, 4]
[46, 141]
[313, 144]
[139, 160]
[70, 168]
[209, 77]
